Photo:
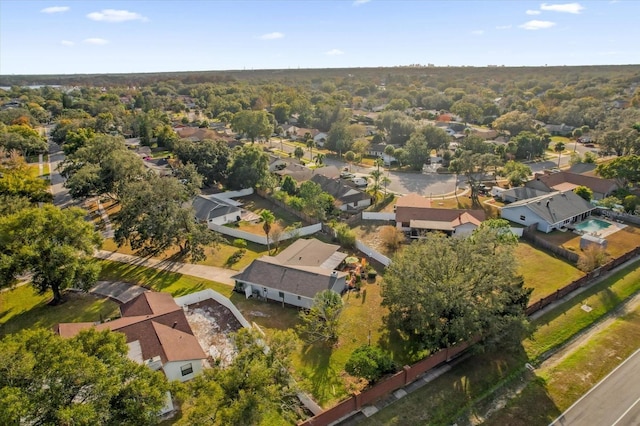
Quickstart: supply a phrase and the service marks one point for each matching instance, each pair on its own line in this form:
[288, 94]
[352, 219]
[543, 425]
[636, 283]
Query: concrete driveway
[117, 290]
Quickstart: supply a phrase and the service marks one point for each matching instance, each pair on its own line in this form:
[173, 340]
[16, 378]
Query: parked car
[358, 181]
[347, 175]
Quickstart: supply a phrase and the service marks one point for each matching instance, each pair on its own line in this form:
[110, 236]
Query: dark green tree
[53, 245]
[370, 363]
[441, 291]
[249, 167]
[88, 379]
[255, 386]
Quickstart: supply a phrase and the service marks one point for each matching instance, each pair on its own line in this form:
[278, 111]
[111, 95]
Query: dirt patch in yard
[212, 325]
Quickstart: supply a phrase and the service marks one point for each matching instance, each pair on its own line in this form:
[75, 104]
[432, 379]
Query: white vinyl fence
[368, 251]
[262, 239]
[199, 296]
[378, 216]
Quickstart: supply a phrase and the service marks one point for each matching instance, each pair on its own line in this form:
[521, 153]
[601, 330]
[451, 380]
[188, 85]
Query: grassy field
[553, 389]
[535, 266]
[450, 396]
[22, 308]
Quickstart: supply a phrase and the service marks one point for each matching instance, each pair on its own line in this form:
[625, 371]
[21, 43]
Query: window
[186, 369]
[522, 217]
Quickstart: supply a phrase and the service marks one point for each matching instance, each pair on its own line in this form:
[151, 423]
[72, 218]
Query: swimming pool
[592, 225]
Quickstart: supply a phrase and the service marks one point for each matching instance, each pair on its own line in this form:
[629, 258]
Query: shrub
[391, 237]
[240, 243]
[345, 236]
[235, 257]
[369, 362]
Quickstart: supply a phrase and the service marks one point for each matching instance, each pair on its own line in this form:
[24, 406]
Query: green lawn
[158, 280]
[553, 389]
[542, 271]
[558, 325]
[23, 308]
[445, 399]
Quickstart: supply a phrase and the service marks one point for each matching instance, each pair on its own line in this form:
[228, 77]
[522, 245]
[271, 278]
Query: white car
[359, 181]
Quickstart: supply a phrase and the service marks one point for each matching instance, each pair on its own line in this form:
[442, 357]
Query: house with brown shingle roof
[294, 276]
[157, 333]
[566, 181]
[415, 216]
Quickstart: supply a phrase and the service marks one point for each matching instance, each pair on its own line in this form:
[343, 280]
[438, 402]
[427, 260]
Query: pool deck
[602, 233]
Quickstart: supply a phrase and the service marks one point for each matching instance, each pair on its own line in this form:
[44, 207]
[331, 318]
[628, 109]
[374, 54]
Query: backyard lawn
[462, 390]
[542, 271]
[22, 308]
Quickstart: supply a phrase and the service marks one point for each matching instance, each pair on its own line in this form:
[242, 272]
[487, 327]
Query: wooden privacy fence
[529, 234]
[407, 375]
[411, 373]
[580, 282]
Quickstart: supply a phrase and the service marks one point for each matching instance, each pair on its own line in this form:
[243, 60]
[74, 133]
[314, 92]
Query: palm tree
[559, 148]
[310, 143]
[376, 175]
[298, 152]
[267, 218]
[385, 181]
[319, 159]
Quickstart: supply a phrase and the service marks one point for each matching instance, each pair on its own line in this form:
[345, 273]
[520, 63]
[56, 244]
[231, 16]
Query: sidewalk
[212, 273]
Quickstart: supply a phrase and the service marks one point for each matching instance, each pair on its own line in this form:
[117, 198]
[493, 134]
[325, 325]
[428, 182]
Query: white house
[377, 150]
[320, 138]
[550, 211]
[294, 276]
[215, 210]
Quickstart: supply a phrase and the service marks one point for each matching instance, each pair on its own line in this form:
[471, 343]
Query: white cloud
[477, 32]
[359, 2]
[55, 9]
[334, 52]
[533, 12]
[537, 25]
[503, 27]
[96, 41]
[112, 15]
[564, 7]
[67, 43]
[271, 36]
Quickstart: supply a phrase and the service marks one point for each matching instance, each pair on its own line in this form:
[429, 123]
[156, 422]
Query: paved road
[615, 401]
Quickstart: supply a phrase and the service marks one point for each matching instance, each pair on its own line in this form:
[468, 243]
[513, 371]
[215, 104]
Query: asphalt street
[615, 401]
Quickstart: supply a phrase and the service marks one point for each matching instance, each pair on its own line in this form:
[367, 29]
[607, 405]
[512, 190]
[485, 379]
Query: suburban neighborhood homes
[157, 333]
[377, 150]
[300, 173]
[299, 133]
[565, 181]
[295, 275]
[414, 216]
[346, 196]
[551, 211]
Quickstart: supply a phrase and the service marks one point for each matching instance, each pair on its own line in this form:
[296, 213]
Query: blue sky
[67, 37]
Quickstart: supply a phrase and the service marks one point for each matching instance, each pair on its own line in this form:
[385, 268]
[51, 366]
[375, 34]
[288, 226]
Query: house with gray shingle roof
[549, 212]
[214, 210]
[347, 197]
[294, 276]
